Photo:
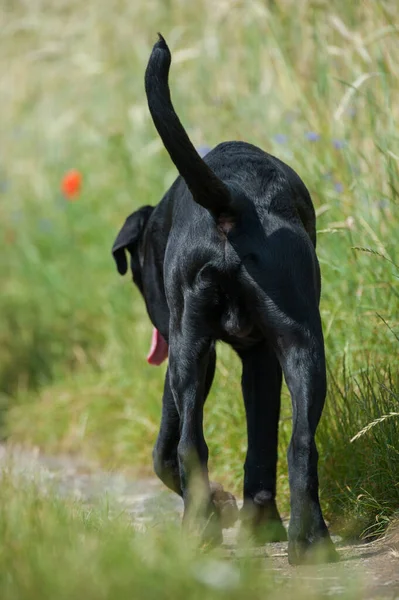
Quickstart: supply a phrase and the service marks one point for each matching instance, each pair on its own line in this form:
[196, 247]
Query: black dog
[229, 254]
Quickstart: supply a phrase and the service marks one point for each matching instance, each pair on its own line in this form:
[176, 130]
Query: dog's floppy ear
[129, 235]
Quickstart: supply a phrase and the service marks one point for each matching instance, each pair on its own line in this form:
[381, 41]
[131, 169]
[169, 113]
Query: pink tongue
[159, 349]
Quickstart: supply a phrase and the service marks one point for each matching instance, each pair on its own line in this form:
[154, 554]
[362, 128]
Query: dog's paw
[260, 520]
[305, 552]
[212, 534]
[266, 532]
[259, 532]
[205, 530]
[225, 505]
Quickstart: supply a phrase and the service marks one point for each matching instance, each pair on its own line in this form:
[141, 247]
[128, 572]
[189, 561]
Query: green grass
[74, 335]
[52, 548]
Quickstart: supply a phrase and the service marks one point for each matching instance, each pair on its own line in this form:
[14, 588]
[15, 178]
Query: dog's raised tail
[207, 189]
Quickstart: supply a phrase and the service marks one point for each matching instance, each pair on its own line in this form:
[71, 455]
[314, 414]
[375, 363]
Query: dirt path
[372, 568]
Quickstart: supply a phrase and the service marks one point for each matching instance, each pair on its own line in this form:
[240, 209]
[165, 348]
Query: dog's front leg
[261, 387]
[189, 355]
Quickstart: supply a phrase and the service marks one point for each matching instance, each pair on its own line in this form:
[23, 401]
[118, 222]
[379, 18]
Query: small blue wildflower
[312, 136]
[44, 225]
[17, 132]
[60, 202]
[16, 216]
[351, 111]
[290, 116]
[4, 185]
[338, 144]
[383, 203]
[203, 150]
[280, 138]
[338, 186]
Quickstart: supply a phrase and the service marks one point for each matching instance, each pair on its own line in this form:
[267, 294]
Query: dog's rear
[239, 265]
[247, 207]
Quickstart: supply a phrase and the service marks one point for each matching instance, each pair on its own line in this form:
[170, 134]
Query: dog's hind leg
[285, 275]
[165, 451]
[224, 502]
[189, 355]
[303, 362]
[165, 457]
[261, 386]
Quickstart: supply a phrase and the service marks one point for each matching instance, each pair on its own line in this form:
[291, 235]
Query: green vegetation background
[313, 82]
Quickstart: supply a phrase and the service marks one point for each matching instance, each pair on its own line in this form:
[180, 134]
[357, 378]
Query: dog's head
[129, 239]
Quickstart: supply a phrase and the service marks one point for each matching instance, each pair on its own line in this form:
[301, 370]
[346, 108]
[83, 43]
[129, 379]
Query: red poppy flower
[71, 184]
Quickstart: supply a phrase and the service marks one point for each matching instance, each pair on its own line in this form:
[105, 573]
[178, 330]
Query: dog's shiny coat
[229, 254]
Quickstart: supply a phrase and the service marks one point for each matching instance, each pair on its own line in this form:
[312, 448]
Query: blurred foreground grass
[313, 82]
[52, 548]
